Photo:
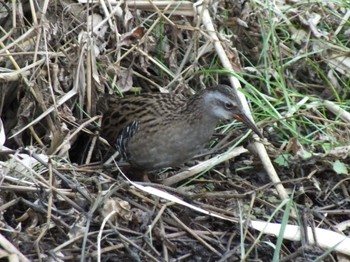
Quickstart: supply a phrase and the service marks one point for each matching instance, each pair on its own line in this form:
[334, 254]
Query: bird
[156, 130]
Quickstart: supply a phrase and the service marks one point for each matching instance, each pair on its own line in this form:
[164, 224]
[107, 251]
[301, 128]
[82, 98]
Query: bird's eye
[228, 105]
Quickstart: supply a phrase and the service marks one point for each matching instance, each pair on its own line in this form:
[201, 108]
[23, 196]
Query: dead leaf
[121, 208]
[131, 37]
[125, 81]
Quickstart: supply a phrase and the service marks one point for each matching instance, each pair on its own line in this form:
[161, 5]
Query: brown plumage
[153, 131]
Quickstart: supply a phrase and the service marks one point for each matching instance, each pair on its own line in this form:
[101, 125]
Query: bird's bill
[246, 120]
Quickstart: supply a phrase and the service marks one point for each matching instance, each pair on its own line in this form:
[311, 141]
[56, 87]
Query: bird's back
[148, 110]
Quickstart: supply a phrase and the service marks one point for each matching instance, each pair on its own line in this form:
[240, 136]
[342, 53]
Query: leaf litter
[59, 203]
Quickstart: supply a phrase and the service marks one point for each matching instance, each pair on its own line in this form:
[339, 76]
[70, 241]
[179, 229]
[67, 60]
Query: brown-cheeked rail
[153, 131]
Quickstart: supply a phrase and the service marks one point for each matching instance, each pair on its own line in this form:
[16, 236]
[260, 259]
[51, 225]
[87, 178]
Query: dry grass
[58, 203]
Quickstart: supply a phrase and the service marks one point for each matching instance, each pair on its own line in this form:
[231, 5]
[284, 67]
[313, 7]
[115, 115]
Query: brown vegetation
[59, 203]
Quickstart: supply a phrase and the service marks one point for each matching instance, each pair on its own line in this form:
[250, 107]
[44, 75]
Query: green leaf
[282, 160]
[306, 155]
[340, 168]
